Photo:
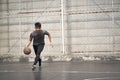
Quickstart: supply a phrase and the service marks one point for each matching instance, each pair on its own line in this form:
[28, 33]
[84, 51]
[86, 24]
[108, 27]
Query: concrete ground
[86, 70]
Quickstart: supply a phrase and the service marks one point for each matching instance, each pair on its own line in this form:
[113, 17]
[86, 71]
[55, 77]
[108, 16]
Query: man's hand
[51, 44]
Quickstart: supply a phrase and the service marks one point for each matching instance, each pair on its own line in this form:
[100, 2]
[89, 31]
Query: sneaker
[33, 67]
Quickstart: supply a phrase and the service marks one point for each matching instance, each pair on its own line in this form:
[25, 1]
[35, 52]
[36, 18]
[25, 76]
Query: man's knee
[37, 56]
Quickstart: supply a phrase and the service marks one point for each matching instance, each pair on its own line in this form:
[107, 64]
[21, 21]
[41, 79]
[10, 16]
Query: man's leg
[35, 50]
[37, 58]
[40, 62]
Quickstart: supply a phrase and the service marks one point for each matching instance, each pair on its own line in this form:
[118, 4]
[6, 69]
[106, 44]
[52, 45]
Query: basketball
[27, 51]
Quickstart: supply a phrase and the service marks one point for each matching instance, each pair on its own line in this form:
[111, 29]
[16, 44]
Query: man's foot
[33, 67]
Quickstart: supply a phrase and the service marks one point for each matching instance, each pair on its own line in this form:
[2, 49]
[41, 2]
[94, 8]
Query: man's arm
[49, 37]
[28, 43]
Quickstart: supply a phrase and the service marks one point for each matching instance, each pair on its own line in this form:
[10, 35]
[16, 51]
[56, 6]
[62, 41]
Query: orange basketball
[27, 50]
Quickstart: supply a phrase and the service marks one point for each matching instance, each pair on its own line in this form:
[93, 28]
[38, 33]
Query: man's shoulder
[33, 32]
[44, 30]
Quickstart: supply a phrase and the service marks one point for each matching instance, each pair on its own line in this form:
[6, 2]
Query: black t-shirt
[38, 38]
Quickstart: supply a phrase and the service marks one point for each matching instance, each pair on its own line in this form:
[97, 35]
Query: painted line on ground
[87, 72]
[105, 78]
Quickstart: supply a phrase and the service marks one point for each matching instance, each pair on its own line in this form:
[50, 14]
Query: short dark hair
[37, 25]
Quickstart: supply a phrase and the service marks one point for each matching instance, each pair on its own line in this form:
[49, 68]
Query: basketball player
[38, 36]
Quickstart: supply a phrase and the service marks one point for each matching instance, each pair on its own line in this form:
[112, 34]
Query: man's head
[37, 26]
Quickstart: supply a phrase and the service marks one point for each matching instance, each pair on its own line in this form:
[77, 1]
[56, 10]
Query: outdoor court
[85, 35]
[86, 70]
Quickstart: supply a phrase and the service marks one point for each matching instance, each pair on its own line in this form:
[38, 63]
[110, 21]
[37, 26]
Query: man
[38, 36]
